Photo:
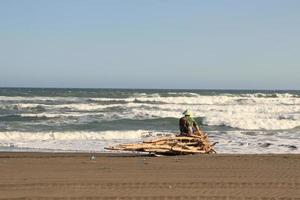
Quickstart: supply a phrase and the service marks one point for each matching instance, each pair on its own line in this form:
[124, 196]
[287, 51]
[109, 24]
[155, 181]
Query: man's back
[186, 124]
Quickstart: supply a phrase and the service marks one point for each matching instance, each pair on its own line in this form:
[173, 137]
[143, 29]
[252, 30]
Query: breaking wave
[91, 119]
[78, 135]
[231, 142]
[244, 111]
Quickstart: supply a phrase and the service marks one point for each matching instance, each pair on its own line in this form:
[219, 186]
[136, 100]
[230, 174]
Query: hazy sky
[199, 44]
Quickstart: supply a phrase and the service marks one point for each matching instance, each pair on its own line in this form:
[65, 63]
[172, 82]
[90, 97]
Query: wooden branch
[170, 145]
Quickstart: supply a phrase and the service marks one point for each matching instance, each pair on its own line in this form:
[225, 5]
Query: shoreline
[39, 175]
[4, 154]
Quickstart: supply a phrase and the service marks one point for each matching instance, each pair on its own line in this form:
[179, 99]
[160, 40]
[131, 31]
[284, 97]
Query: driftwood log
[178, 145]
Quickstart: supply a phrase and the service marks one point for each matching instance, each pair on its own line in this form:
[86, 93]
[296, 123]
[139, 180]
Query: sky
[176, 44]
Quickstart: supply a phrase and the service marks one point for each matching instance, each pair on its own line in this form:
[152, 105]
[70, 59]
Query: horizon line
[120, 88]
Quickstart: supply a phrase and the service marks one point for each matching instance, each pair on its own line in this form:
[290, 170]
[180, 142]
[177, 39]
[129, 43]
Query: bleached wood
[170, 145]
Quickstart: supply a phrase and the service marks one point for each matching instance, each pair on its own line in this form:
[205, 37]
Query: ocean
[87, 120]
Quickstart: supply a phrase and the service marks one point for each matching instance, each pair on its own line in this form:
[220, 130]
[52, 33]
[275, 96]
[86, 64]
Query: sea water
[87, 120]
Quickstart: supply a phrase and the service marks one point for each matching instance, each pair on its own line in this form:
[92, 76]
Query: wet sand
[115, 176]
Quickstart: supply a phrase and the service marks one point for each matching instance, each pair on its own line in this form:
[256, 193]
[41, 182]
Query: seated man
[188, 125]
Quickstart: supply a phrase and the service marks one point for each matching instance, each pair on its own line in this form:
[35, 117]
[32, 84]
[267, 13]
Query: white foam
[259, 116]
[71, 106]
[247, 111]
[72, 141]
[86, 106]
[54, 115]
[72, 135]
[257, 142]
[229, 142]
[270, 95]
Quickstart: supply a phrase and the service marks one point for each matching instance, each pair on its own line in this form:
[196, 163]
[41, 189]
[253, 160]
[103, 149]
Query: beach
[149, 100]
[133, 176]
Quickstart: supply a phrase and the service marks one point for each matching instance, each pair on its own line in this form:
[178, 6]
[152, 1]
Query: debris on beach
[176, 145]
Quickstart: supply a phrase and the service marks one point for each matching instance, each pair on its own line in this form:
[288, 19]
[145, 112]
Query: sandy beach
[115, 176]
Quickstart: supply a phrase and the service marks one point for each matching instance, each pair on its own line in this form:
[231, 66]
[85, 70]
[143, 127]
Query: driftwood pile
[179, 145]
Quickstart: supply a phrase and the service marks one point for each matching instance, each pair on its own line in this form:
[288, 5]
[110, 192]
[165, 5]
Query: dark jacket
[187, 124]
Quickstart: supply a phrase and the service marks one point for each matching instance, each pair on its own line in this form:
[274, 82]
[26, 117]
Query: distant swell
[13, 118]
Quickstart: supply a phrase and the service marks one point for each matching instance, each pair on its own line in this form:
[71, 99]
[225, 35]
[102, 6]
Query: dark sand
[111, 176]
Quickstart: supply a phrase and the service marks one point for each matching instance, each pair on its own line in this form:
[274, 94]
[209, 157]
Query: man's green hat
[187, 112]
